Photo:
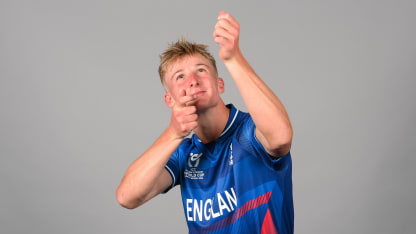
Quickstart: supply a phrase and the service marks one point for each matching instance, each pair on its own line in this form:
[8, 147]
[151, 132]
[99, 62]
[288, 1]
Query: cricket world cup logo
[193, 161]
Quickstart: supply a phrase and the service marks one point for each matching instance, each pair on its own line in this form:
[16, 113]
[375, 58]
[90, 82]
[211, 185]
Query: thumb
[182, 93]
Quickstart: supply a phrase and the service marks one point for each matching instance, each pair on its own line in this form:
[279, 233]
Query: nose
[193, 80]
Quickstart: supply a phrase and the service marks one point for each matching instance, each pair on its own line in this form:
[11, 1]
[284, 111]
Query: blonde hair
[180, 49]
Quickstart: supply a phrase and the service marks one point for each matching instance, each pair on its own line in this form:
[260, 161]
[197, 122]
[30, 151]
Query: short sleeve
[247, 138]
[172, 166]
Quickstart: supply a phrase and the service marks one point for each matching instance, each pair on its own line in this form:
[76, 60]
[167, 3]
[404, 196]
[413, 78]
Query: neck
[212, 122]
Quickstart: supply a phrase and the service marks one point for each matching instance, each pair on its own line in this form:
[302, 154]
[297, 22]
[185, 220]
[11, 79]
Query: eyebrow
[203, 64]
[180, 70]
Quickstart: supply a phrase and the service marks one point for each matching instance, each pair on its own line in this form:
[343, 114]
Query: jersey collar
[228, 127]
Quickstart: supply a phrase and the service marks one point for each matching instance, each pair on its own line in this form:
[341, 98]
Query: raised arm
[273, 127]
[146, 177]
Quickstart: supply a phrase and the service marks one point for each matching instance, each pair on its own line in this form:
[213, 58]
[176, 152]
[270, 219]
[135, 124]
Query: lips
[197, 93]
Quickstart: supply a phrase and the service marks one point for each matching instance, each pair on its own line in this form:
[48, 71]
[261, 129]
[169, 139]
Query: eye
[201, 69]
[179, 77]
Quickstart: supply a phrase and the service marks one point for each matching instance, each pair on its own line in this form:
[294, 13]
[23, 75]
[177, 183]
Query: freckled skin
[194, 74]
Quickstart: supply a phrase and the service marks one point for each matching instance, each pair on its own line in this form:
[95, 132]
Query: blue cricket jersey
[232, 185]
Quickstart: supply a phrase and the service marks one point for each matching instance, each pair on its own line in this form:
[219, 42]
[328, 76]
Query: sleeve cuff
[173, 179]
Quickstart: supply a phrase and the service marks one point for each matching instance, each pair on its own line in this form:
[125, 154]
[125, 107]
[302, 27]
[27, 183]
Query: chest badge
[193, 163]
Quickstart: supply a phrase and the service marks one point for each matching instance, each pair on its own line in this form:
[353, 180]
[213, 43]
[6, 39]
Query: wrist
[237, 58]
[172, 134]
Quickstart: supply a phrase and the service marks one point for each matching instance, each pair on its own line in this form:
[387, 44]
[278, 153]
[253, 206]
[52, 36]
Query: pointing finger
[186, 100]
[182, 98]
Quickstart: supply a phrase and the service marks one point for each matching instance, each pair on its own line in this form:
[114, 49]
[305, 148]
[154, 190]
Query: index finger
[188, 100]
[185, 100]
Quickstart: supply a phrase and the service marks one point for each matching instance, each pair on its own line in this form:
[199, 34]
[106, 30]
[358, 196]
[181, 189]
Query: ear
[220, 85]
[170, 102]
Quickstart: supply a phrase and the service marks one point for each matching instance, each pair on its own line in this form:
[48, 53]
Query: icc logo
[193, 161]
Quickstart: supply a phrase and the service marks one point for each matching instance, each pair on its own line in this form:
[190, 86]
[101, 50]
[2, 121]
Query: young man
[235, 171]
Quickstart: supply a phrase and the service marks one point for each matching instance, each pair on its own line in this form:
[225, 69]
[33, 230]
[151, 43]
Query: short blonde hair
[180, 49]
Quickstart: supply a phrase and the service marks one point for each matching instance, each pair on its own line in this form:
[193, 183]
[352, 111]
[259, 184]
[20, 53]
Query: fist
[226, 34]
[184, 115]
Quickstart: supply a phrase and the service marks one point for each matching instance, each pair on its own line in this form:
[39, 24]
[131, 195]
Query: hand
[226, 34]
[184, 117]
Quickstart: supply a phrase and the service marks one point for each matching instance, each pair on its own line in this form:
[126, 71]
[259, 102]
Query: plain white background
[80, 100]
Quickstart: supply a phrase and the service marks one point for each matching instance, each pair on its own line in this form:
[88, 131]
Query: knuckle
[191, 118]
[190, 109]
[177, 114]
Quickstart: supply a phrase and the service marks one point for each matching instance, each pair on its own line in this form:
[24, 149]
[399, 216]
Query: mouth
[198, 93]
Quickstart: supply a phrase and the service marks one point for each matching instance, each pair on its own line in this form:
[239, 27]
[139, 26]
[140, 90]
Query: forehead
[186, 61]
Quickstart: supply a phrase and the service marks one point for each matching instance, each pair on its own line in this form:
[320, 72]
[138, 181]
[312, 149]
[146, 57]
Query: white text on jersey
[204, 210]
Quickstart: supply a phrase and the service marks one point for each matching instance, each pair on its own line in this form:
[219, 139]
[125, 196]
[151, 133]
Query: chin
[203, 106]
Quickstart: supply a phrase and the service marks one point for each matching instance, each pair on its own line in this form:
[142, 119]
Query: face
[195, 75]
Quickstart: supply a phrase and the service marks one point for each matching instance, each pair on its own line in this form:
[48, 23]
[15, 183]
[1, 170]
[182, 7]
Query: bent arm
[146, 177]
[273, 127]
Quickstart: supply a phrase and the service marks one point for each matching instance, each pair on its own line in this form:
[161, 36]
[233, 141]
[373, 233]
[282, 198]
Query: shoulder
[186, 142]
[244, 122]
[185, 145]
